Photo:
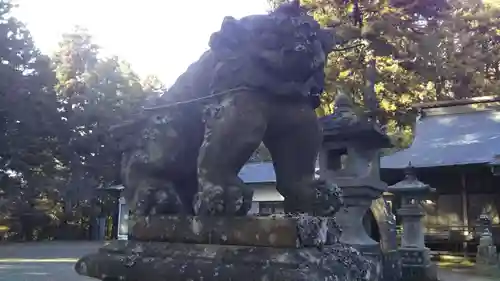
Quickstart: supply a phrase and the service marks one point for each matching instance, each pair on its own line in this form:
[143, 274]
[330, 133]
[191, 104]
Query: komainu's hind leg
[146, 194]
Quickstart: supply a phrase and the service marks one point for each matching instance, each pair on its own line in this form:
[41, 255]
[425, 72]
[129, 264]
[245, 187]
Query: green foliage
[425, 50]
[95, 93]
[56, 112]
[28, 109]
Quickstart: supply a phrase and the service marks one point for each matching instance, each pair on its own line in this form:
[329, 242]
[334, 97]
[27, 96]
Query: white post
[123, 213]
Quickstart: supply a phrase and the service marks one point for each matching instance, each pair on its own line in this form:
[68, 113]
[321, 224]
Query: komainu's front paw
[214, 200]
[210, 201]
[165, 201]
[162, 200]
[328, 198]
[238, 200]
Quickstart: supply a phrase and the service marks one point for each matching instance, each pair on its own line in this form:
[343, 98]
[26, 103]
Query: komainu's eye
[300, 48]
[158, 119]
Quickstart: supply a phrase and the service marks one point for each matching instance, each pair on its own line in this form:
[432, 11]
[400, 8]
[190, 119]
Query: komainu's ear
[228, 19]
[291, 8]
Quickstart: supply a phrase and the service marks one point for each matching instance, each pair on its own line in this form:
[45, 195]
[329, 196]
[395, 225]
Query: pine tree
[96, 93]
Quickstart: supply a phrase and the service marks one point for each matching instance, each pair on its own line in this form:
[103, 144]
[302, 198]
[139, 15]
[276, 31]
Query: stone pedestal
[194, 248]
[416, 265]
[358, 197]
[487, 255]
[415, 256]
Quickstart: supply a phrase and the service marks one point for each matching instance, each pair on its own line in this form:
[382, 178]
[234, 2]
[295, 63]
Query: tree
[422, 50]
[29, 158]
[28, 105]
[153, 86]
[55, 115]
[470, 58]
[95, 93]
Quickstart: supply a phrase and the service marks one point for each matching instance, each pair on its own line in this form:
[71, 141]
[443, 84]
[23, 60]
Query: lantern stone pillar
[350, 157]
[415, 256]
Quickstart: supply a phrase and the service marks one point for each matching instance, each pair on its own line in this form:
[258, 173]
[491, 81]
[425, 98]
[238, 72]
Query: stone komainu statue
[260, 81]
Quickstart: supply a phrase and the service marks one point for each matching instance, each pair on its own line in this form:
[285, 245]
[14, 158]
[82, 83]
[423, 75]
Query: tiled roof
[450, 140]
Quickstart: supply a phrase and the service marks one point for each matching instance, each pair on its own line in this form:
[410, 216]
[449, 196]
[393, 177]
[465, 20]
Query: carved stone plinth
[487, 256]
[417, 265]
[230, 248]
[391, 266]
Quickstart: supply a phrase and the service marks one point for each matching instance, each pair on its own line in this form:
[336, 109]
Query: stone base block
[416, 265]
[372, 252]
[388, 263]
[269, 231]
[391, 266]
[162, 261]
[487, 256]
[419, 273]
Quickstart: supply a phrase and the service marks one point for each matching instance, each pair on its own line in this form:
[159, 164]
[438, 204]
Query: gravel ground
[450, 275]
[39, 272]
[43, 261]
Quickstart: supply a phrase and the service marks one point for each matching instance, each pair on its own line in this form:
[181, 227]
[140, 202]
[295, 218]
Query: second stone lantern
[415, 256]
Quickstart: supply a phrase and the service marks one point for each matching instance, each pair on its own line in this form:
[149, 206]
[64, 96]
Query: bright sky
[160, 37]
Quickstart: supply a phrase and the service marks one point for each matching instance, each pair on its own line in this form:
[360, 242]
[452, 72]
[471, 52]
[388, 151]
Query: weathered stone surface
[345, 125]
[259, 82]
[487, 255]
[269, 231]
[161, 261]
[416, 265]
[391, 266]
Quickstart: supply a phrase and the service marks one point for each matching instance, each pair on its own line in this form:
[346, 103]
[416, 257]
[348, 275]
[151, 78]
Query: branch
[333, 24]
[415, 30]
[348, 48]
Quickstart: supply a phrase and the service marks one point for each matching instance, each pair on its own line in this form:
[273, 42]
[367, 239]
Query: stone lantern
[415, 256]
[487, 257]
[350, 157]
